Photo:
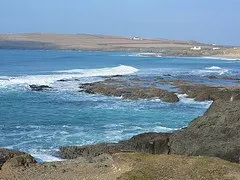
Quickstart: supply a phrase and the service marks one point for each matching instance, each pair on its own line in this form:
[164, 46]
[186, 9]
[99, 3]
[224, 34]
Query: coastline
[203, 137]
[207, 138]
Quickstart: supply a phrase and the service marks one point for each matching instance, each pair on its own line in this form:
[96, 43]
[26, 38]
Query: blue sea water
[41, 122]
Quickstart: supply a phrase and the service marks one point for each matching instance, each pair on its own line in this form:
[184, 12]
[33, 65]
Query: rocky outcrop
[90, 151]
[201, 92]
[223, 77]
[15, 158]
[217, 133]
[39, 87]
[155, 143]
[127, 91]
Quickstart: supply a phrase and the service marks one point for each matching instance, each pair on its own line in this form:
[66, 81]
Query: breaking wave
[221, 58]
[213, 68]
[65, 75]
[186, 100]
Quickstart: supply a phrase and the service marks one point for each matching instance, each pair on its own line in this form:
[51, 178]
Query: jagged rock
[39, 87]
[126, 91]
[14, 156]
[22, 160]
[202, 92]
[90, 151]
[217, 133]
[155, 143]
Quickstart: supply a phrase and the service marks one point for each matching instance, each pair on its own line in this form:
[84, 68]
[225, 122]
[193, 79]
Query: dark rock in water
[217, 133]
[127, 91]
[212, 77]
[63, 80]
[16, 158]
[67, 80]
[168, 75]
[201, 92]
[156, 143]
[223, 77]
[113, 76]
[116, 76]
[39, 87]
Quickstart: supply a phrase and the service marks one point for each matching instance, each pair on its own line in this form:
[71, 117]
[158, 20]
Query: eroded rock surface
[127, 91]
[201, 92]
[15, 158]
[217, 133]
[155, 143]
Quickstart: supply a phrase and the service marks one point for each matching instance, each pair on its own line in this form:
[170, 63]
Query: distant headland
[90, 42]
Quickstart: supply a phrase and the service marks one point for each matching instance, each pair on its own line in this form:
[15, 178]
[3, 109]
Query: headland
[144, 46]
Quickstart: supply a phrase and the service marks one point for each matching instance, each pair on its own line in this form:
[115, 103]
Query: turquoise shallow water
[40, 122]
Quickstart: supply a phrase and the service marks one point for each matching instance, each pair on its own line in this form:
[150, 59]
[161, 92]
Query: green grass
[166, 167]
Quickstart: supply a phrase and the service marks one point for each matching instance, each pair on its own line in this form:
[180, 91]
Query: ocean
[40, 122]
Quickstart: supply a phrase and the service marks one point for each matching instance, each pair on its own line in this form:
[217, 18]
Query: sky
[209, 21]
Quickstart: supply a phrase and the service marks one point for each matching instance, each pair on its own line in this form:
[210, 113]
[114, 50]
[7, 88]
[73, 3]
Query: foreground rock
[126, 166]
[217, 133]
[15, 158]
[127, 91]
[155, 143]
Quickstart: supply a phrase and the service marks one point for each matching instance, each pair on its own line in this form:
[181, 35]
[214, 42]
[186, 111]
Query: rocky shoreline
[215, 134]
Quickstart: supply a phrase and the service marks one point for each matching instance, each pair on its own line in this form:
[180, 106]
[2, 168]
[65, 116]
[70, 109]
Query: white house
[196, 48]
[136, 38]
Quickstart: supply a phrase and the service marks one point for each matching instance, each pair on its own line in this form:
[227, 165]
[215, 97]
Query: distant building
[216, 48]
[196, 48]
[136, 38]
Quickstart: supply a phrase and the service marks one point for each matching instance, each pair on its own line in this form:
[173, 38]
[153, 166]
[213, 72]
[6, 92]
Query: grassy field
[165, 167]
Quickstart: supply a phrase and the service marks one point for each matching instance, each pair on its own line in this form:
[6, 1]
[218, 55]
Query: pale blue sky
[213, 21]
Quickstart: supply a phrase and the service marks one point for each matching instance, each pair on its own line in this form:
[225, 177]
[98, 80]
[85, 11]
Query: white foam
[184, 99]
[222, 58]
[163, 129]
[211, 70]
[213, 67]
[119, 70]
[148, 55]
[46, 158]
[65, 74]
